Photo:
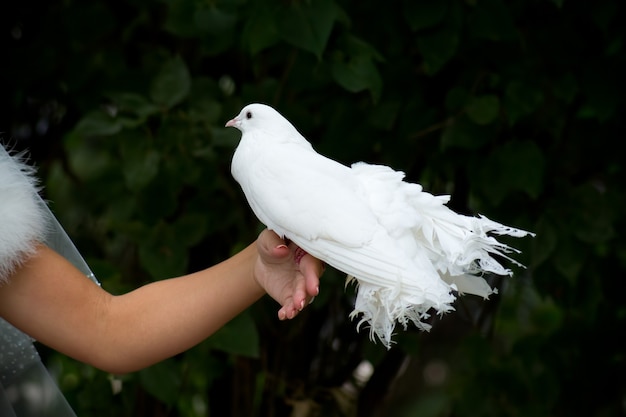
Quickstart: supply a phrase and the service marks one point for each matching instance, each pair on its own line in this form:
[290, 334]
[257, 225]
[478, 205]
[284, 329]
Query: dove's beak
[232, 123]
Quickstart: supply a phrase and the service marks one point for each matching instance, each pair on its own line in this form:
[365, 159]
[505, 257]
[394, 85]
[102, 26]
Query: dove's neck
[251, 150]
[263, 147]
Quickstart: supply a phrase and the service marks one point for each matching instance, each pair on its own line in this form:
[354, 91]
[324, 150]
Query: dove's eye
[249, 115]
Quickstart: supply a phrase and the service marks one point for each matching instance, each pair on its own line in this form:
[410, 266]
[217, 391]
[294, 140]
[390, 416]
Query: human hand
[292, 284]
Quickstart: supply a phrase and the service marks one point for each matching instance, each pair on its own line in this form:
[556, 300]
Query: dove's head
[260, 117]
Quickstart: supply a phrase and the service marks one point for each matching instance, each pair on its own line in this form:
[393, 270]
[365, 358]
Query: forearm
[173, 315]
[54, 303]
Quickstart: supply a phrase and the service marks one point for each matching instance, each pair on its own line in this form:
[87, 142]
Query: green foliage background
[515, 108]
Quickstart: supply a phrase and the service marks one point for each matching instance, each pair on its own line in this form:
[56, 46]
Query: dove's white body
[405, 248]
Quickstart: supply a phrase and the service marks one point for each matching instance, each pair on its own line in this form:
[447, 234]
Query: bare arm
[53, 302]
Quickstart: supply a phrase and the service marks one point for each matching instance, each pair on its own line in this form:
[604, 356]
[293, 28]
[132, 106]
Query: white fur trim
[22, 214]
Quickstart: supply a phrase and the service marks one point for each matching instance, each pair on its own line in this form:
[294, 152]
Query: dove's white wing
[295, 191]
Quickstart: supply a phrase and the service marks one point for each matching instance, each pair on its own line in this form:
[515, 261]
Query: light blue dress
[26, 387]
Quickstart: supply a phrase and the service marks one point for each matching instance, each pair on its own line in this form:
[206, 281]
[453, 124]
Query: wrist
[255, 267]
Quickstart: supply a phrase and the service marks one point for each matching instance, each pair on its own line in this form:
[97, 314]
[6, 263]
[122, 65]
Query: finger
[284, 313]
[299, 294]
[287, 313]
[311, 268]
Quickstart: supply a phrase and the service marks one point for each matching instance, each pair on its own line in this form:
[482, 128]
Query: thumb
[272, 245]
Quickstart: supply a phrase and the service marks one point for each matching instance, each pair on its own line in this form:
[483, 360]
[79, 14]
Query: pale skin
[56, 304]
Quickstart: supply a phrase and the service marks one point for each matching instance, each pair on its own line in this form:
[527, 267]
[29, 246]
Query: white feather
[407, 251]
[22, 216]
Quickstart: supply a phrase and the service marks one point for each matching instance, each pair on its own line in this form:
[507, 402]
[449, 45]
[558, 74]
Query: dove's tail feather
[457, 245]
[391, 288]
[459, 248]
[381, 307]
[460, 245]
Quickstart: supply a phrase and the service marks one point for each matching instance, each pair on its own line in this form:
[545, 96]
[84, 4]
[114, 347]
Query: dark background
[515, 108]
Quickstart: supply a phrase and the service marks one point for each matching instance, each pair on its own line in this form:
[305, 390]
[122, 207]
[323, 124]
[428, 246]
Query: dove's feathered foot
[408, 252]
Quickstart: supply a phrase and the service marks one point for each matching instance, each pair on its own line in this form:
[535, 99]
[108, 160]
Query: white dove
[408, 252]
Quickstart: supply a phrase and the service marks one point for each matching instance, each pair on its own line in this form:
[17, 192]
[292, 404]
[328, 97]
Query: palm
[291, 285]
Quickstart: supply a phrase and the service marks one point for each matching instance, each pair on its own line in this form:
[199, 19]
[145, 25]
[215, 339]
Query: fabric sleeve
[22, 216]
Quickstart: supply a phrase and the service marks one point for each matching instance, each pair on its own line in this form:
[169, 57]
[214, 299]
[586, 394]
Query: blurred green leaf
[98, 123]
[203, 107]
[385, 115]
[85, 159]
[261, 29]
[433, 405]
[358, 74]
[558, 3]
[521, 100]
[460, 133]
[593, 220]
[492, 20]
[568, 259]
[162, 381]
[172, 83]
[214, 20]
[140, 161]
[506, 171]
[544, 244]
[139, 170]
[180, 14]
[423, 15]
[547, 317]
[483, 110]
[457, 98]
[437, 48]
[133, 104]
[160, 254]
[191, 228]
[237, 337]
[600, 96]
[307, 25]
